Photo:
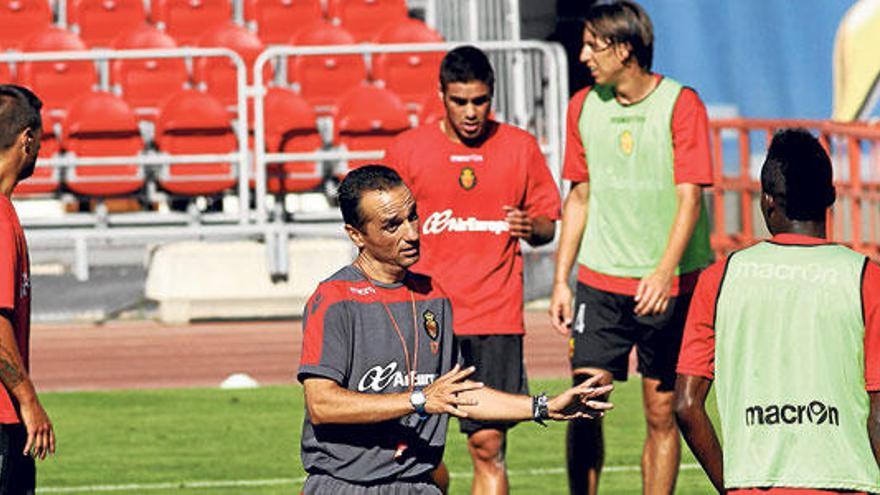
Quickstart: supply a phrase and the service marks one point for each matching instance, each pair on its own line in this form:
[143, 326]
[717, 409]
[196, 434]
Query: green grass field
[207, 441]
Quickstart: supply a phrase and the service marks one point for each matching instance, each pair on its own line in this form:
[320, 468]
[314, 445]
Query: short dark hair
[624, 22]
[361, 180]
[19, 110]
[798, 172]
[466, 64]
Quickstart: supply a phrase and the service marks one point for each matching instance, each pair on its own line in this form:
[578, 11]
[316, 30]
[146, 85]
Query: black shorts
[17, 471]
[499, 364]
[604, 330]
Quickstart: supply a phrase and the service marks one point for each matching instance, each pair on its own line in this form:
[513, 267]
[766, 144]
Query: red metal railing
[854, 218]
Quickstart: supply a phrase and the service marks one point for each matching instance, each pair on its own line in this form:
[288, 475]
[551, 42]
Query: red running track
[147, 354]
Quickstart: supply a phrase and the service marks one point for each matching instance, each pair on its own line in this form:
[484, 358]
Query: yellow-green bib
[790, 369]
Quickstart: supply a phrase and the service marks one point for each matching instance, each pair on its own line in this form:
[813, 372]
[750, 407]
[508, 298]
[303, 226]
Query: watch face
[417, 398]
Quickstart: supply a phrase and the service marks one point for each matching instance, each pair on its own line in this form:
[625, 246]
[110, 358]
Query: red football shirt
[692, 165]
[461, 192]
[697, 357]
[15, 294]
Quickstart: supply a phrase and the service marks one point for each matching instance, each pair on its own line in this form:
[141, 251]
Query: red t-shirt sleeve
[395, 157]
[871, 307]
[8, 269]
[326, 345]
[574, 166]
[542, 195]
[697, 356]
[690, 140]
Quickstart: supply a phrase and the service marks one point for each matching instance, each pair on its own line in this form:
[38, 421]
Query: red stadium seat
[99, 22]
[364, 19]
[433, 110]
[102, 124]
[21, 19]
[368, 118]
[192, 122]
[145, 83]
[217, 75]
[5, 73]
[290, 128]
[56, 82]
[277, 20]
[187, 20]
[46, 178]
[412, 76]
[322, 78]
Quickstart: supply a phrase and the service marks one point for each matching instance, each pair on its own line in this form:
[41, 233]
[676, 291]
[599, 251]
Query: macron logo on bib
[444, 221]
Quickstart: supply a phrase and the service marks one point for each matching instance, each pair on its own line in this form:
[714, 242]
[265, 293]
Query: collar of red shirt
[798, 239]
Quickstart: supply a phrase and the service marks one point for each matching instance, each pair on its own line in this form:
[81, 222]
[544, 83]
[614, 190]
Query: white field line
[142, 487]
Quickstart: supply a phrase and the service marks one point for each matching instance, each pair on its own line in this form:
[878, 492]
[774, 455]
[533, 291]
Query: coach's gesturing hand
[445, 394]
[580, 401]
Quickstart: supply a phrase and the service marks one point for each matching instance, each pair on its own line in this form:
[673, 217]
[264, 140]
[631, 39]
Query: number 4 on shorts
[579, 319]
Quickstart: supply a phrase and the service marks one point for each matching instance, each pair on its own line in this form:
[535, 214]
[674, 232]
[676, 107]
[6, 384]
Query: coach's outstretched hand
[579, 401]
[443, 396]
[40, 435]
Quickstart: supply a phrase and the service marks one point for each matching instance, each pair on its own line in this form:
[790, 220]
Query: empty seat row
[274, 21]
[101, 124]
[143, 83]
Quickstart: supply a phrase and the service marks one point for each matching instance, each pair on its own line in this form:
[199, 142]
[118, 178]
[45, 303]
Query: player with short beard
[482, 187]
[379, 360]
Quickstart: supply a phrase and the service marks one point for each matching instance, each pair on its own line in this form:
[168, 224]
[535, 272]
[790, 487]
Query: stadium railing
[546, 93]
[738, 148]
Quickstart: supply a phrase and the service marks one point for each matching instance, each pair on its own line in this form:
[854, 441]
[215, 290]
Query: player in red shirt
[481, 186]
[25, 430]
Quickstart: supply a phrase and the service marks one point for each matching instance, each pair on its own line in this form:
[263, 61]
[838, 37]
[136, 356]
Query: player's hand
[560, 308]
[652, 296]
[581, 401]
[519, 223]
[40, 435]
[443, 395]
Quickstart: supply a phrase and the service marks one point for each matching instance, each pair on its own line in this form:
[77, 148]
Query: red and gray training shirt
[349, 338]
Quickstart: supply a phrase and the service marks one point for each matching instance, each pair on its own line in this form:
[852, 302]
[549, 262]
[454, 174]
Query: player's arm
[574, 220]
[654, 289]
[329, 403]
[41, 437]
[874, 424]
[487, 404]
[696, 427]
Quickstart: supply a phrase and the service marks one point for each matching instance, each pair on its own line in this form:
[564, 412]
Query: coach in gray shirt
[379, 359]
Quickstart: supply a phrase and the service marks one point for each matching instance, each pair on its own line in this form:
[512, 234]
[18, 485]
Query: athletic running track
[146, 354]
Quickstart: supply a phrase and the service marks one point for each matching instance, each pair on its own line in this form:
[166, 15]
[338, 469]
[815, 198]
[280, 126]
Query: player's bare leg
[662, 452]
[487, 453]
[441, 478]
[585, 445]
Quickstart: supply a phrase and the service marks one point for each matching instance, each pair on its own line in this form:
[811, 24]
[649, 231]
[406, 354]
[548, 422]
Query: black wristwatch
[540, 411]
[418, 400]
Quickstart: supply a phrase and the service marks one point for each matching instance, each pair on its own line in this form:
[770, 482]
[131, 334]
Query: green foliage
[165, 440]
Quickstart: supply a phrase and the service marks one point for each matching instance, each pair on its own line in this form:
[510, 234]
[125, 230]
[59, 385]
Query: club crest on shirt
[467, 179]
[627, 142]
[430, 323]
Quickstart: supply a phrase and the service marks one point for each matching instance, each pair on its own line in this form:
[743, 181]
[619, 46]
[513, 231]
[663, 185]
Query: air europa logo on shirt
[378, 378]
[815, 412]
[443, 221]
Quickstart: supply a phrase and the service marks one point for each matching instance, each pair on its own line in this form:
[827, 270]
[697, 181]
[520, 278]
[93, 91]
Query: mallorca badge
[432, 328]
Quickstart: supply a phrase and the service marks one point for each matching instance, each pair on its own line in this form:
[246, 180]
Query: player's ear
[623, 51]
[26, 140]
[356, 236]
